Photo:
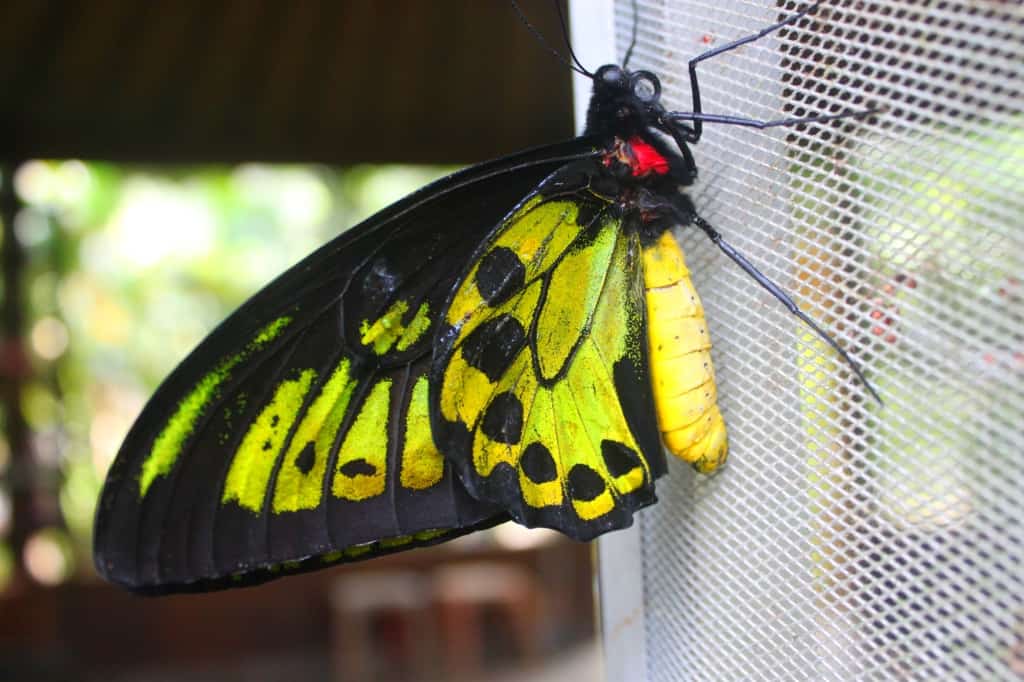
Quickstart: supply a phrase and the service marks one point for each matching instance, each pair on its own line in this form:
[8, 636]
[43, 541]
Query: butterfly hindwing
[541, 396]
[297, 433]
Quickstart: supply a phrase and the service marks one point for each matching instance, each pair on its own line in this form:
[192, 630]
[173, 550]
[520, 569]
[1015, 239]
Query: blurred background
[159, 162]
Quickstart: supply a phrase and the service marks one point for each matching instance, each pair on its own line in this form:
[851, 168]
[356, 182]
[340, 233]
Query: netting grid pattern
[845, 540]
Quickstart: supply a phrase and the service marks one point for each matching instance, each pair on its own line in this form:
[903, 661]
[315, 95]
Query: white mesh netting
[845, 540]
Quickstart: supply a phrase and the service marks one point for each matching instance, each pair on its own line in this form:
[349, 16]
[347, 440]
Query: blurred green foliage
[129, 267]
[950, 240]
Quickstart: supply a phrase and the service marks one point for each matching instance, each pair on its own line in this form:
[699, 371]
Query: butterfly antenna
[568, 42]
[632, 41]
[781, 295]
[540, 39]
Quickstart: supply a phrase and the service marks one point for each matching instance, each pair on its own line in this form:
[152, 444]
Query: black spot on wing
[306, 459]
[619, 458]
[503, 420]
[493, 346]
[500, 274]
[357, 467]
[584, 483]
[538, 464]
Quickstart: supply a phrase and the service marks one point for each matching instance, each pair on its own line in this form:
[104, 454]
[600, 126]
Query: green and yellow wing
[540, 394]
[297, 434]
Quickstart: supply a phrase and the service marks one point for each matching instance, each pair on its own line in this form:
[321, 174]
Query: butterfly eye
[646, 86]
[610, 74]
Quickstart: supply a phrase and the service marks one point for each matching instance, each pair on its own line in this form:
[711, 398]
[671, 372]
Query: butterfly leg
[698, 117]
[685, 215]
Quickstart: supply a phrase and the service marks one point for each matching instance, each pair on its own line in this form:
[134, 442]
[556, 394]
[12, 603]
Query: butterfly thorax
[636, 158]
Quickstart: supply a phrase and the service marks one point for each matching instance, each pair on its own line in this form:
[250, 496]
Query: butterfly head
[623, 102]
[627, 105]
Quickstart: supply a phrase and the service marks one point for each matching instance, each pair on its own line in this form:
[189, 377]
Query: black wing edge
[261, 576]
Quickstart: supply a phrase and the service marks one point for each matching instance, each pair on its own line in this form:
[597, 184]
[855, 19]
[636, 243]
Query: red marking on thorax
[646, 159]
[641, 157]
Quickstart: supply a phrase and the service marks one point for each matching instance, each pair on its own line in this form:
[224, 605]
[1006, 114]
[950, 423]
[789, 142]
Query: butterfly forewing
[299, 428]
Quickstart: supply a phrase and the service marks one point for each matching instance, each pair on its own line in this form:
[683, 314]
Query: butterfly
[517, 341]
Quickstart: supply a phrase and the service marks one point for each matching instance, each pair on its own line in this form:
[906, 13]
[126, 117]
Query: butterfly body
[652, 174]
[514, 341]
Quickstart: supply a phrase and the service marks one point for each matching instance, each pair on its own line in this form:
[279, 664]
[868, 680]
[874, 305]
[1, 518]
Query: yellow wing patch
[578, 281]
[254, 460]
[300, 480]
[361, 470]
[422, 463]
[389, 331]
[541, 475]
[363, 457]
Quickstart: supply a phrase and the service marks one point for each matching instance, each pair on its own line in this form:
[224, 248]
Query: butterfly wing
[540, 389]
[297, 433]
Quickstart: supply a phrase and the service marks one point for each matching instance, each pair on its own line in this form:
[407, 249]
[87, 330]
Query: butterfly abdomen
[682, 377]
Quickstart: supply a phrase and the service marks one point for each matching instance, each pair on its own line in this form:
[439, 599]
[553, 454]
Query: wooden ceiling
[334, 81]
